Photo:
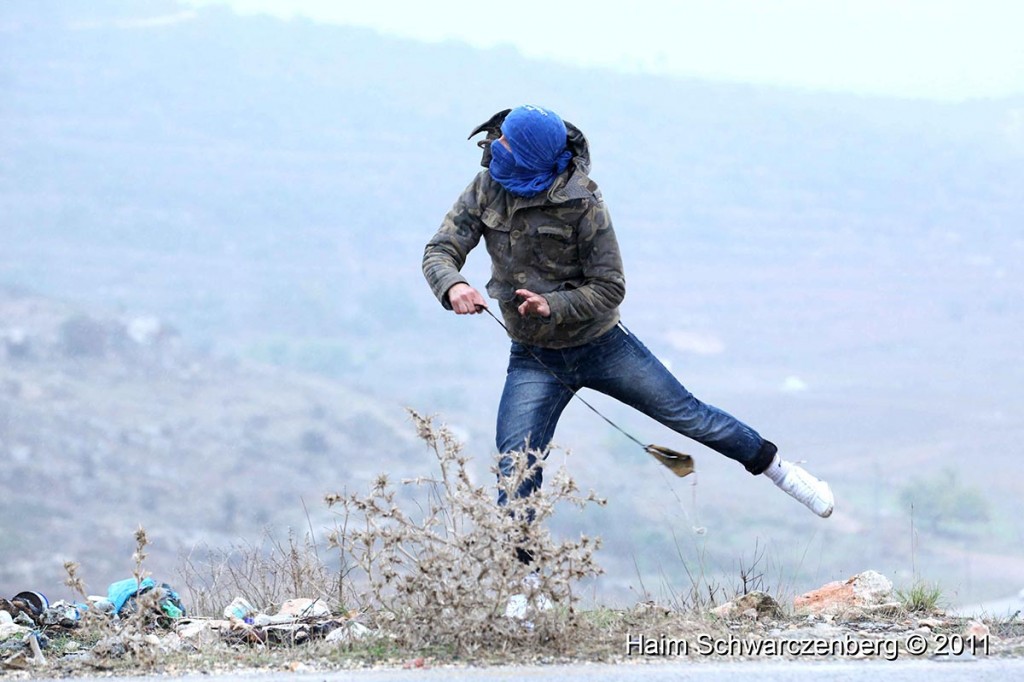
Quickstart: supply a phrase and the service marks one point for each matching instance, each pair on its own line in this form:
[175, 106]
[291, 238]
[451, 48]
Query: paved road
[969, 670]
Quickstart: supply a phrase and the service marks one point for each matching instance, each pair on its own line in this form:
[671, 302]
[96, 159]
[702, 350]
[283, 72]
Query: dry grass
[265, 574]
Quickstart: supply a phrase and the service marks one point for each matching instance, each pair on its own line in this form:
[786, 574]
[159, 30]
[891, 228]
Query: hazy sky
[947, 49]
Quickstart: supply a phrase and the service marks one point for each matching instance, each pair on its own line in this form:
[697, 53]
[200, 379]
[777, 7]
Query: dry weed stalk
[134, 635]
[445, 579]
[74, 581]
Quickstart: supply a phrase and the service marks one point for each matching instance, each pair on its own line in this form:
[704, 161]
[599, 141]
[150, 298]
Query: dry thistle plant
[139, 555]
[444, 576]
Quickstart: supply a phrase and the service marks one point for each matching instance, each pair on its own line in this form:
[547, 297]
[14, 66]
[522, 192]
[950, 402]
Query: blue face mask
[519, 179]
[505, 170]
[532, 169]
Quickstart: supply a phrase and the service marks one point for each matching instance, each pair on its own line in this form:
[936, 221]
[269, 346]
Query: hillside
[842, 272]
[111, 422]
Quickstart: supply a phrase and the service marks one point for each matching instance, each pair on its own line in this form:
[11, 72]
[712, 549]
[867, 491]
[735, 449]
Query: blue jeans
[619, 365]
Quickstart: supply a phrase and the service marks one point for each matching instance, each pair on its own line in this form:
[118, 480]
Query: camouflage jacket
[559, 243]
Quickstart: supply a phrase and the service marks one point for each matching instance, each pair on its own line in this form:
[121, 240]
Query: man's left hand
[533, 304]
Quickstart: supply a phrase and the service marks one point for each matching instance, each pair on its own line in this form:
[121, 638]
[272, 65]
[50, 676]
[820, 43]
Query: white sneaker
[815, 494]
[519, 604]
[516, 607]
[541, 602]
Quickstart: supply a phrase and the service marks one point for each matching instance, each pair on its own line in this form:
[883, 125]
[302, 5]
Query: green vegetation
[921, 597]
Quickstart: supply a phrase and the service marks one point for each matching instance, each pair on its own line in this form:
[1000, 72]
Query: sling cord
[567, 386]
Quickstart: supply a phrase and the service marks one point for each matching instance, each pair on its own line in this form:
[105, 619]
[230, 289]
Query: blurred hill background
[213, 313]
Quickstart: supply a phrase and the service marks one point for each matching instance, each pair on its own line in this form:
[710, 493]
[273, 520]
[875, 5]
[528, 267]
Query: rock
[930, 623]
[889, 608]
[976, 629]
[753, 605]
[865, 592]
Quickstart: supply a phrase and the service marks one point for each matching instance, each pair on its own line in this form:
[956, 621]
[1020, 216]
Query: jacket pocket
[555, 247]
[561, 232]
[494, 220]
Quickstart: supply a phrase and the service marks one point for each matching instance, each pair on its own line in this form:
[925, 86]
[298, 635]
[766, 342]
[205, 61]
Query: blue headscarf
[539, 154]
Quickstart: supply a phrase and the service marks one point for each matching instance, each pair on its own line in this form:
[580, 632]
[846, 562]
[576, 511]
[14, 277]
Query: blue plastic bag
[123, 590]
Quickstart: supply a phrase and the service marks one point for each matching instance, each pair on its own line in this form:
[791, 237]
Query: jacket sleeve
[446, 252]
[604, 284]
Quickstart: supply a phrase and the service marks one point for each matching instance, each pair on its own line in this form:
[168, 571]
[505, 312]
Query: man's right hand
[465, 299]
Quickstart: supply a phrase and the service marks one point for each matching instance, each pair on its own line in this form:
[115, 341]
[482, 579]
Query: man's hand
[465, 299]
[533, 304]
